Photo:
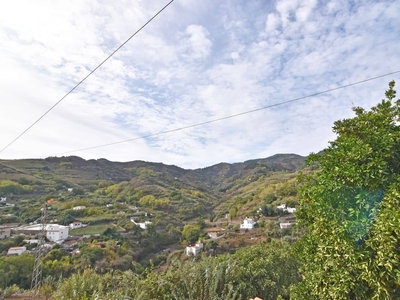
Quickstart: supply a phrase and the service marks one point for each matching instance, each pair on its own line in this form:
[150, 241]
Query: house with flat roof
[247, 224]
[54, 232]
[16, 250]
[194, 249]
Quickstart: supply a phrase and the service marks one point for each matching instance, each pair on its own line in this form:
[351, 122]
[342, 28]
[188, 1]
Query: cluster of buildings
[283, 207]
[54, 233]
[142, 225]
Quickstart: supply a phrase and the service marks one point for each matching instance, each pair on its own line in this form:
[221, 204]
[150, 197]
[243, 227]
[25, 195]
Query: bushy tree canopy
[351, 208]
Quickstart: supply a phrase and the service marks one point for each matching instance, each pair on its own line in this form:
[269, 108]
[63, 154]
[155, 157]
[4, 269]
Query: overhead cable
[230, 116]
[91, 72]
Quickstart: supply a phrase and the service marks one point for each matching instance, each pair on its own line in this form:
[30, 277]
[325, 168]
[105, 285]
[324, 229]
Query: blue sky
[197, 61]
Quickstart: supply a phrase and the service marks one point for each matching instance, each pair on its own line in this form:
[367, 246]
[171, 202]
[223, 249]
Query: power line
[230, 116]
[80, 82]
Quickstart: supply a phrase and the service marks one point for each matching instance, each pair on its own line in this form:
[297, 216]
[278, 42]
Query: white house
[16, 250]
[70, 189]
[291, 210]
[49, 245]
[141, 225]
[75, 225]
[56, 233]
[3, 199]
[283, 207]
[79, 207]
[285, 225]
[109, 205]
[31, 241]
[194, 249]
[247, 224]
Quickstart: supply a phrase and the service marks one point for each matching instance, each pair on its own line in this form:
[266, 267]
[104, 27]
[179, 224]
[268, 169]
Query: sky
[196, 62]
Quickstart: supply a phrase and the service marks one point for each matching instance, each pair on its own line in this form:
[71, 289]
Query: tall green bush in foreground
[264, 270]
[351, 209]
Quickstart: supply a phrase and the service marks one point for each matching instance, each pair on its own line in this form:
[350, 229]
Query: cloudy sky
[197, 61]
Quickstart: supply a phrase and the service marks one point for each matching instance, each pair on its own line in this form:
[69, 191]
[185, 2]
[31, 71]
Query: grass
[91, 229]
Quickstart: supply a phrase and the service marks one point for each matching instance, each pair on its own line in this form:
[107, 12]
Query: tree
[351, 210]
[233, 212]
[191, 233]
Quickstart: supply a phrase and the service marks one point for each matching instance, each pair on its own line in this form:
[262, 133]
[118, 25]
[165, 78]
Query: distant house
[75, 225]
[56, 233]
[31, 241]
[109, 205]
[141, 225]
[285, 225]
[247, 224]
[16, 250]
[49, 245]
[214, 232]
[287, 219]
[3, 199]
[194, 249]
[70, 244]
[70, 189]
[79, 207]
[5, 232]
[283, 207]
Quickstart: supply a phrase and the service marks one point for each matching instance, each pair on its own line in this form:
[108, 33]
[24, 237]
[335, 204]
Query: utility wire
[80, 82]
[230, 116]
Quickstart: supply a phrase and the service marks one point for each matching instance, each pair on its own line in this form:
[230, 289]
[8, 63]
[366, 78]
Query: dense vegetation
[346, 244]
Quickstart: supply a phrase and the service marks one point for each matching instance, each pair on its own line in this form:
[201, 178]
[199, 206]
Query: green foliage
[8, 187]
[191, 233]
[287, 189]
[16, 270]
[351, 210]
[266, 270]
[270, 198]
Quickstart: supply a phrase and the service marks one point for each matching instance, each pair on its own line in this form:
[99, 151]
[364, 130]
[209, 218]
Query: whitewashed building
[75, 225]
[56, 233]
[79, 207]
[247, 224]
[142, 225]
[285, 225]
[283, 207]
[194, 249]
[16, 250]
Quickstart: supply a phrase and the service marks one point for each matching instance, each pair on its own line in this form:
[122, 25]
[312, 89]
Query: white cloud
[197, 61]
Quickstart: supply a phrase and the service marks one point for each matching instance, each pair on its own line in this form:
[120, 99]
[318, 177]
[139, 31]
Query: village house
[79, 207]
[69, 244]
[49, 245]
[285, 225]
[248, 223]
[283, 207]
[5, 232]
[194, 249]
[3, 199]
[54, 232]
[214, 232]
[142, 225]
[286, 222]
[16, 250]
[75, 225]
